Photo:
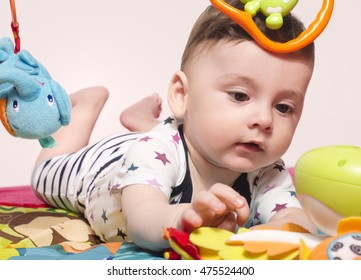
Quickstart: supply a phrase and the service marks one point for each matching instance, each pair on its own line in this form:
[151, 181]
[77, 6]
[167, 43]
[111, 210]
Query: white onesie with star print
[90, 181]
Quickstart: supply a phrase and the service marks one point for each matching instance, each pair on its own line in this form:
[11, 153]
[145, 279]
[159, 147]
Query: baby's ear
[177, 94]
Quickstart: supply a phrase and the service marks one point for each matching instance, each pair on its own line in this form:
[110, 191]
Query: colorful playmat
[29, 230]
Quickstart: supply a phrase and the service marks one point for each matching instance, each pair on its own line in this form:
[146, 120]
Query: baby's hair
[213, 26]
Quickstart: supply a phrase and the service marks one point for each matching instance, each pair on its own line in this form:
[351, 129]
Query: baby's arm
[275, 201]
[291, 215]
[147, 210]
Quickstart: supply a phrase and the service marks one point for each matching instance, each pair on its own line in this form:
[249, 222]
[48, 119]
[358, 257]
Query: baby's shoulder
[163, 138]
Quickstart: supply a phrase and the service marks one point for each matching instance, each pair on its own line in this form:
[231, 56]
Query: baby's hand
[220, 207]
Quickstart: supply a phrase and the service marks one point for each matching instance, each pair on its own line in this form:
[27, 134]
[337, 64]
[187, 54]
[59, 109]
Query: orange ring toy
[244, 19]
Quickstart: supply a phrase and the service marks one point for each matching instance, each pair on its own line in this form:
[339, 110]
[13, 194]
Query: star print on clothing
[132, 168]
[169, 120]
[279, 167]
[145, 139]
[121, 233]
[292, 193]
[114, 188]
[162, 158]
[104, 216]
[256, 215]
[268, 188]
[176, 138]
[154, 183]
[279, 207]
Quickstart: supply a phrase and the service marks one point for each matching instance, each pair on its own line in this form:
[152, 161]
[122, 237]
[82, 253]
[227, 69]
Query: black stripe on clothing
[53, 182]
[102, 144]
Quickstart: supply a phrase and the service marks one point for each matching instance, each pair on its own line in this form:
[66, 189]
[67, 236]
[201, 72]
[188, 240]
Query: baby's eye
[284, 108]
[239, 96]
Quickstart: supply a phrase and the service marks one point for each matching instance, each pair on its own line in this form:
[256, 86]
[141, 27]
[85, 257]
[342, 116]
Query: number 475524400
[226, 270]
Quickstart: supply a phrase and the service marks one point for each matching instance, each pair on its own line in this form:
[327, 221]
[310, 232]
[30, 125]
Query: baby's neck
[206, 175]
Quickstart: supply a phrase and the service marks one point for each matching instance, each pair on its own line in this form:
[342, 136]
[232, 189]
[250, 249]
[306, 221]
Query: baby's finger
[190, 220]
[206, 203]
[228, 223]
[242, 214]
[228, 196]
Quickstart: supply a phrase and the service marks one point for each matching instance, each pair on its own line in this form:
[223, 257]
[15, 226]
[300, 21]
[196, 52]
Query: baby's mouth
[251, 146]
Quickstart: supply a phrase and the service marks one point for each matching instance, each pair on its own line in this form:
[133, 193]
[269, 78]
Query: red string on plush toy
[15, 27]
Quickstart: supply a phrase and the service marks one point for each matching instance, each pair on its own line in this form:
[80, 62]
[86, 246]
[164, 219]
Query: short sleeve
[156, 159]
[272, 190]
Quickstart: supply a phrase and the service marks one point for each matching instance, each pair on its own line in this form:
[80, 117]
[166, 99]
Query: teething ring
[245, 20]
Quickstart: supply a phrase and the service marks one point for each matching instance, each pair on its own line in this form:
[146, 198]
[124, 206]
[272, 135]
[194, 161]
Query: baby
[215, 162]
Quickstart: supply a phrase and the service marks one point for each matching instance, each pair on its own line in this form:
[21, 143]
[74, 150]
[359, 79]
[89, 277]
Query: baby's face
[243, 104]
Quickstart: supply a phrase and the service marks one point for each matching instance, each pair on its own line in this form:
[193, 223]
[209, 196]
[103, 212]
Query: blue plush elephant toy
[32, 104]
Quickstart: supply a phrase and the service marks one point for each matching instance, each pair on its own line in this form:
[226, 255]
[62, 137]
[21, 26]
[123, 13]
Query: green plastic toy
[328, 184]
[274, 10]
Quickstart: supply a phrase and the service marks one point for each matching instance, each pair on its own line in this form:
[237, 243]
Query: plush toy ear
[63, 102]
[6, 49]
[27, 88]
[3, 56]
[27, 63]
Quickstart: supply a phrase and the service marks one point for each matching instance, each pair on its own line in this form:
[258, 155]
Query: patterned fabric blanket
[43, 233]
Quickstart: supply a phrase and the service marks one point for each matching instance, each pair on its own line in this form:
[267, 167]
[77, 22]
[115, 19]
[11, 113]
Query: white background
[280, 270]
[134, 47]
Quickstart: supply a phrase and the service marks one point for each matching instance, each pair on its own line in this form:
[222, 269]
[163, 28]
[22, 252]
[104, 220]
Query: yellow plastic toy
[328, 185]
